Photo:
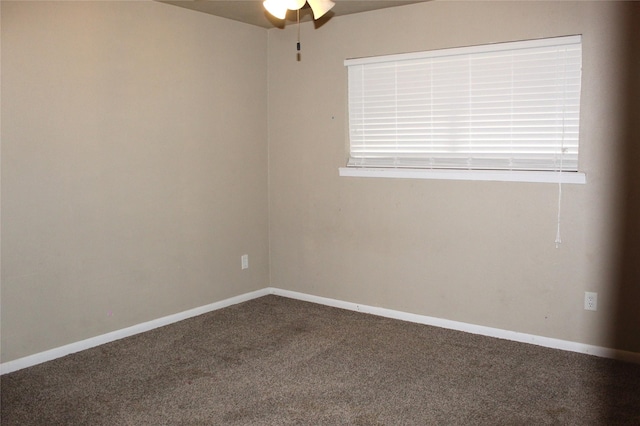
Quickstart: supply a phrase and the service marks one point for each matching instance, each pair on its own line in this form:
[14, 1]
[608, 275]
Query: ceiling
[252, 12]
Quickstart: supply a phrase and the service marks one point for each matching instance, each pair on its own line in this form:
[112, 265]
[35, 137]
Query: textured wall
[477, 252]
[134, 166]
[134, 175]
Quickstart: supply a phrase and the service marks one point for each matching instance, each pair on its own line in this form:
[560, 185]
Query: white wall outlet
[244, 260]
[590, 301]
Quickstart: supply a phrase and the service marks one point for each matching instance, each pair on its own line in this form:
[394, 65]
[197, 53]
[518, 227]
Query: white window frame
[479, 171]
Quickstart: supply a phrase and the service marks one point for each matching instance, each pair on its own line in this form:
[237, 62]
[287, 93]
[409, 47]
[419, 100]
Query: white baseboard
[548, 342]
[31, 360]
[515, 336]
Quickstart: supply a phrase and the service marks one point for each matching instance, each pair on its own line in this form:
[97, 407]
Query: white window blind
[506, 106]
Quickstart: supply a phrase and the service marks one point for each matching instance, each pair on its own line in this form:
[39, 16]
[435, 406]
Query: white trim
[515, 336]
[51, 354]
[31, 360]
[478, 175]
[494, 47]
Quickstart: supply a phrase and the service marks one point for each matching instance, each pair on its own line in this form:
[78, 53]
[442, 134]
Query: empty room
[367, 212]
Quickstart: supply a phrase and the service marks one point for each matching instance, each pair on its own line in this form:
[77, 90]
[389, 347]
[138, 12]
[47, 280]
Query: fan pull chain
[298, 45]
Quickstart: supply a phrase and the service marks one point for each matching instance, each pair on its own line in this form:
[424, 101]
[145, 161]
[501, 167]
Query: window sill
[481, 175]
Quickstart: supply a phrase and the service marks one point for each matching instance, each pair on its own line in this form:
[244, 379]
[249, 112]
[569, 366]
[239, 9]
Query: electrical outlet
[244, 260]
[590, 301]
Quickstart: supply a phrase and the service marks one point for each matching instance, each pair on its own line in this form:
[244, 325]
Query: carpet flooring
[278, 361]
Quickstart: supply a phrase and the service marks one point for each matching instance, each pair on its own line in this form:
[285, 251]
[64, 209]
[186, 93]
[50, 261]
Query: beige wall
[134, 166]
[477, 252]
[134, 175]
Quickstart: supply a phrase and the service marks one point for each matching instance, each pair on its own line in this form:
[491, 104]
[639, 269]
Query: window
[499, 107]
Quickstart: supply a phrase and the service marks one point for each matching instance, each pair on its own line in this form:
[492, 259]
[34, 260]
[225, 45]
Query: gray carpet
[276, 361]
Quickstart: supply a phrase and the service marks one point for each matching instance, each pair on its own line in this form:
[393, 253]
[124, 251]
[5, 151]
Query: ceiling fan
[278, 8]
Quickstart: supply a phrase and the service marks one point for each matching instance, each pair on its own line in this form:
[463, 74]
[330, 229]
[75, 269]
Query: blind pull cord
[562, 148]
[558, 238]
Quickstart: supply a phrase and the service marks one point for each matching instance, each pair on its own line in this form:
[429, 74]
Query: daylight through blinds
[506, 106]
